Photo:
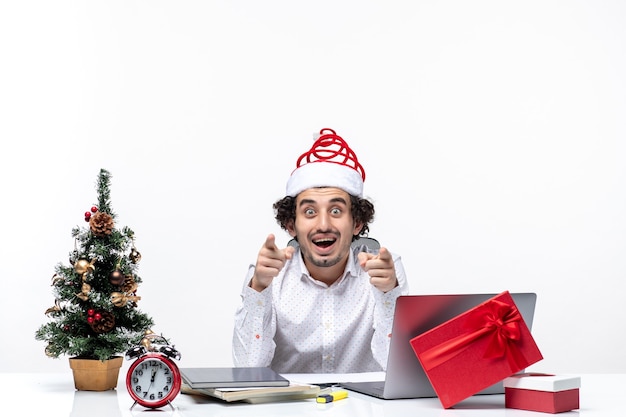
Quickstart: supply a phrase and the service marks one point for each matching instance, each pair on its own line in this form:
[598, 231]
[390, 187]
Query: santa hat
[329, 163]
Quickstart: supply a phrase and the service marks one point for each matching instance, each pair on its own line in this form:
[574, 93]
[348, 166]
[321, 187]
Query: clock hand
[151, 381]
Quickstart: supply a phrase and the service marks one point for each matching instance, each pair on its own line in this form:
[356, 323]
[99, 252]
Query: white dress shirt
[301, 325]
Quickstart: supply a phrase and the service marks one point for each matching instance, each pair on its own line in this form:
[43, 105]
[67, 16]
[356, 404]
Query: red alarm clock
[154, 379]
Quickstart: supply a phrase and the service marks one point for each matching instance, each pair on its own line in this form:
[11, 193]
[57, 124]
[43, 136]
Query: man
[320, 306]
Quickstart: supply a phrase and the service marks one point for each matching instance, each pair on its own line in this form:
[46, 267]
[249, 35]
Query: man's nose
[323, 221]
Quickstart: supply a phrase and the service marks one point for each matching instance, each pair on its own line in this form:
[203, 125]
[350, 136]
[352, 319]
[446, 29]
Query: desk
[52, 395]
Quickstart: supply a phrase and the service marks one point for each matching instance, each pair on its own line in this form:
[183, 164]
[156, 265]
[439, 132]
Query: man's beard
[323, 262]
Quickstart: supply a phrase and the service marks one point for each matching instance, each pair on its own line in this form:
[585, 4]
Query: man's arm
[255, 326]
[255, 321]
[383, 314]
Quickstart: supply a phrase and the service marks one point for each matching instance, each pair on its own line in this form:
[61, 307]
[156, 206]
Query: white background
[492, 133]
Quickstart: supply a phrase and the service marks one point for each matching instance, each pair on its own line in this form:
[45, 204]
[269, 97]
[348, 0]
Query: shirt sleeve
[385, 305]
[255, 326]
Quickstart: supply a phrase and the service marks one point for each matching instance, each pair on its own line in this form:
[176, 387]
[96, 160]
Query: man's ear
[357, 229]
[290, 228]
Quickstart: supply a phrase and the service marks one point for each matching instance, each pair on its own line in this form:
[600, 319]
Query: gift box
[476, 349]
[542, 392]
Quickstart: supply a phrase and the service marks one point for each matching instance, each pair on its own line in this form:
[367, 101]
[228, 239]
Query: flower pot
[94, 374]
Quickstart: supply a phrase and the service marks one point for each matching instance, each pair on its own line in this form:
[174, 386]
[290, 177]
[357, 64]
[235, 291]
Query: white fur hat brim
[325, 174]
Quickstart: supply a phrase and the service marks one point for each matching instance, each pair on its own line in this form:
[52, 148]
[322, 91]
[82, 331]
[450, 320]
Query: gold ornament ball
[83, 266]
[145, 342]
[135, 256]
[119, 299]
[147, 339]
[50, 352]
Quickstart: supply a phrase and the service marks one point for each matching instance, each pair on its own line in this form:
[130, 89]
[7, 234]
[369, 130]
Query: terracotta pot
[95, 375]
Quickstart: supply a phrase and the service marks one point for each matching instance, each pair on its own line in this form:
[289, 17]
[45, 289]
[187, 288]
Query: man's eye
[309, 212]
[335, 211]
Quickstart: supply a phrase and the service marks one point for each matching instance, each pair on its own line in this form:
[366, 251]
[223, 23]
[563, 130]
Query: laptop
[414, 315]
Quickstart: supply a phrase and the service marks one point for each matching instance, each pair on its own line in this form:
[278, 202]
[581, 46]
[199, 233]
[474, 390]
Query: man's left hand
[380, 268]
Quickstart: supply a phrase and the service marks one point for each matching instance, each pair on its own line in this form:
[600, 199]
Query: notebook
[244, 377]
[414, 315]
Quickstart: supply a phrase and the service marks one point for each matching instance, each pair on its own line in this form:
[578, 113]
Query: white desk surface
[51, 395]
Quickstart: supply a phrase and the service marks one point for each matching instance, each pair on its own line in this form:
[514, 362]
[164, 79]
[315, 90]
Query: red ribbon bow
[498, 321]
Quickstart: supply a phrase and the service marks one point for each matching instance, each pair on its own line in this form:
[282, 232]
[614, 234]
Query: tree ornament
[148, 338]
[93, 209]
[101, 224]
[130, 285]
[83, 266]
[128, 293]
[103, 322]
[56, 278]
[49, 351]
[134, 256]
[116, 278]
[54, 308]
[85, 289]
[120, 299]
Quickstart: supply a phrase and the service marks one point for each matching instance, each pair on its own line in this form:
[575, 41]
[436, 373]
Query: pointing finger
[270, 242]
[384, 254]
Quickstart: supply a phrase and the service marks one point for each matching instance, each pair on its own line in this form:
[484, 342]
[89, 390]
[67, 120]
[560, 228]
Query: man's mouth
[324, 243]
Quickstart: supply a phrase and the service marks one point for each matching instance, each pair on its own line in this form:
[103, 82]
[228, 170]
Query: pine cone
[105, 324]
[101, 224]
[130, 285]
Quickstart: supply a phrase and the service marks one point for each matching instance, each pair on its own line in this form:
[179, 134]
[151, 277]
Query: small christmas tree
[95, 312]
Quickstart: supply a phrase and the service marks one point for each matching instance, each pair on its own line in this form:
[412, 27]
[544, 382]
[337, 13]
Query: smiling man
[321, 306]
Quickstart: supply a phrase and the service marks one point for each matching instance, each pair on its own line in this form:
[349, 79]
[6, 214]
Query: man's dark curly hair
[361, 208]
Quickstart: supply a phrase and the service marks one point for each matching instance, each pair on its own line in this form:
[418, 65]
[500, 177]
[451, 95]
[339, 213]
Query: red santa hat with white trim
[329, 163]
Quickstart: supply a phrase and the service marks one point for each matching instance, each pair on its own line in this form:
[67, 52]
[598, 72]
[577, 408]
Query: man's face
[324, 226]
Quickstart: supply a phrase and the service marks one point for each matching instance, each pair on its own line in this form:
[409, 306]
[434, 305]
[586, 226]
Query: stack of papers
[253, 385]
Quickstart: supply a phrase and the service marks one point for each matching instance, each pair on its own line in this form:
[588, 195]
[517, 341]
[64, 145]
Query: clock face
[153, 380]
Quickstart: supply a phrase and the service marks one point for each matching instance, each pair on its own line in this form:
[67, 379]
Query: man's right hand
[270, 261]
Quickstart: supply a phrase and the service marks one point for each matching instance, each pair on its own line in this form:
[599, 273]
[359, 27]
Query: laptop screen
[416, 314]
